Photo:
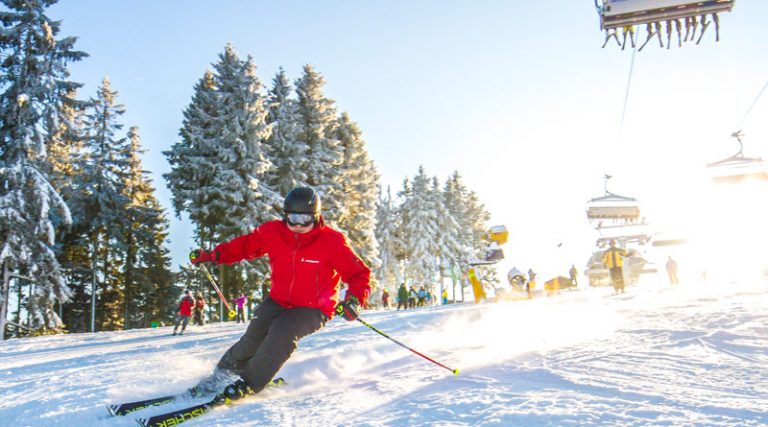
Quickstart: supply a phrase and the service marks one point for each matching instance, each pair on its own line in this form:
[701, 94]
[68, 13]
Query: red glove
[198, 256]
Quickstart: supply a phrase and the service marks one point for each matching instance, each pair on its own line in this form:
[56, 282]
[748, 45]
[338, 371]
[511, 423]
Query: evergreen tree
[317, 129]
[402, 238]
[421, 228]
[285, 150]
[220, 167]
[389, 272]
[455, 195]
[359, 182]
[244, 195]
[66, 154]
[146, 274]
[106, 168]
[448, 244]
[34, 87]
[193, 161]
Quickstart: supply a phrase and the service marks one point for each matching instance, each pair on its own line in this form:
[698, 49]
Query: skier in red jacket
[185, 312]
[308, 259]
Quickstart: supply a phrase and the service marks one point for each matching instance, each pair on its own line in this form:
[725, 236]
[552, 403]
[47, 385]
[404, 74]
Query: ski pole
[231, 313]
[371, 327]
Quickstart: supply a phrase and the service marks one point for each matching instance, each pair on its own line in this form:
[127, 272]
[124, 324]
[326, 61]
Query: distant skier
[199, 314]
[574, 275]
[531, 283]
[613, 259]
[308, 259]
[531, 275]
[385, 299]
[445, 296]
[413, 296]
[184, 313]
[402, 297]
[240, 303]
[421, 297]
[672, 270]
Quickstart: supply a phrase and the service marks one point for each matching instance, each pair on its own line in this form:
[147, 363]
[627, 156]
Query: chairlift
[622, 13]
[676, 15]
[613, 207]
[737, 167]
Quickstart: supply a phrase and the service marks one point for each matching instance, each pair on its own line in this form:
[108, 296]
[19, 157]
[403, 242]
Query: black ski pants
[272, 336]
[181, 320]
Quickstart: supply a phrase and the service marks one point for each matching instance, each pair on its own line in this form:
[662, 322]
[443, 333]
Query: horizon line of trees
[83, 239]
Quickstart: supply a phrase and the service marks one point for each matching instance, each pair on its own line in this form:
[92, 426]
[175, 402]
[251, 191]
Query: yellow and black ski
[119, 409]
[179, 416]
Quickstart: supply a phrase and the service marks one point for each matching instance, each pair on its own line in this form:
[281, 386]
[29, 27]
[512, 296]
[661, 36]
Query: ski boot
[236, 391]
[214, 383]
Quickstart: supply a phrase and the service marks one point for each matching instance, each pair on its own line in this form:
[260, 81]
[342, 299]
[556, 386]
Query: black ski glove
[349, 309]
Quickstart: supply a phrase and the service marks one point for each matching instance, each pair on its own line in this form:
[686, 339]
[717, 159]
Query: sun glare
[727, 232]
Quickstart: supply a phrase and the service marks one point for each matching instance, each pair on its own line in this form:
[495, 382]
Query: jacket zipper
[293, 266]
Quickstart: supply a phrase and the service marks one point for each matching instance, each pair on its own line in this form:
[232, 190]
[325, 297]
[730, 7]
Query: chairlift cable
[626, 94]
[749, 110]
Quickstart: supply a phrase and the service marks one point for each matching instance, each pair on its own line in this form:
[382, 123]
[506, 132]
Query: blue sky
[517, 96]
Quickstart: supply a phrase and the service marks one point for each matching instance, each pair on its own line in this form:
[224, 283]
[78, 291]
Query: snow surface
[695, 354]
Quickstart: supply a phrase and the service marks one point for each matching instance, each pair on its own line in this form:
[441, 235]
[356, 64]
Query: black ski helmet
[302, 200]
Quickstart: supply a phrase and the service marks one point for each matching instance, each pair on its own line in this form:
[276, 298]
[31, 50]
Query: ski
[121, 409]
[185, 414]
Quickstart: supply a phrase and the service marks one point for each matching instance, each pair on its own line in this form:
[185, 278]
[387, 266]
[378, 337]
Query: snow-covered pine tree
[421, 227]
[193, 161]
[244, 196]
[33, 88]
[402, 238]
[65, 147]
[67, 156]
[455, 200]
[359, 184]
[448, 243]
[194, 165]
[286, 151]
[454, 195]
[389, 273]
[243, 165]
[158, 287]
[147, 279]
[104, 173]
[317, 129]
[220, 166]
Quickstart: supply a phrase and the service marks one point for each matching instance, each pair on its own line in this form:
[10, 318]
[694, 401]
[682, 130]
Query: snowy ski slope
[696, 354]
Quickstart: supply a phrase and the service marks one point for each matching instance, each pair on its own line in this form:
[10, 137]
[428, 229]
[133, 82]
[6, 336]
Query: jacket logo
[311, 261]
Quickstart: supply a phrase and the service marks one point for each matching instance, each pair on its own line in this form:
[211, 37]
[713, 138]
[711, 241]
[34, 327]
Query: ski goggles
[302, 219]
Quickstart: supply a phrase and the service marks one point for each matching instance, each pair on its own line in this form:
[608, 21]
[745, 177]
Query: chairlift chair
[737, 167]
[613, 207]
[624, 13]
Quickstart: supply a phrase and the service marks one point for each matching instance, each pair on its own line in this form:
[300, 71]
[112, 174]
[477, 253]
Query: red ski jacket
[306, 268]
[185, 306]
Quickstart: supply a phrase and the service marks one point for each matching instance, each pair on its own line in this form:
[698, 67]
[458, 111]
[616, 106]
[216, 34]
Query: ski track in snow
[689, 355]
